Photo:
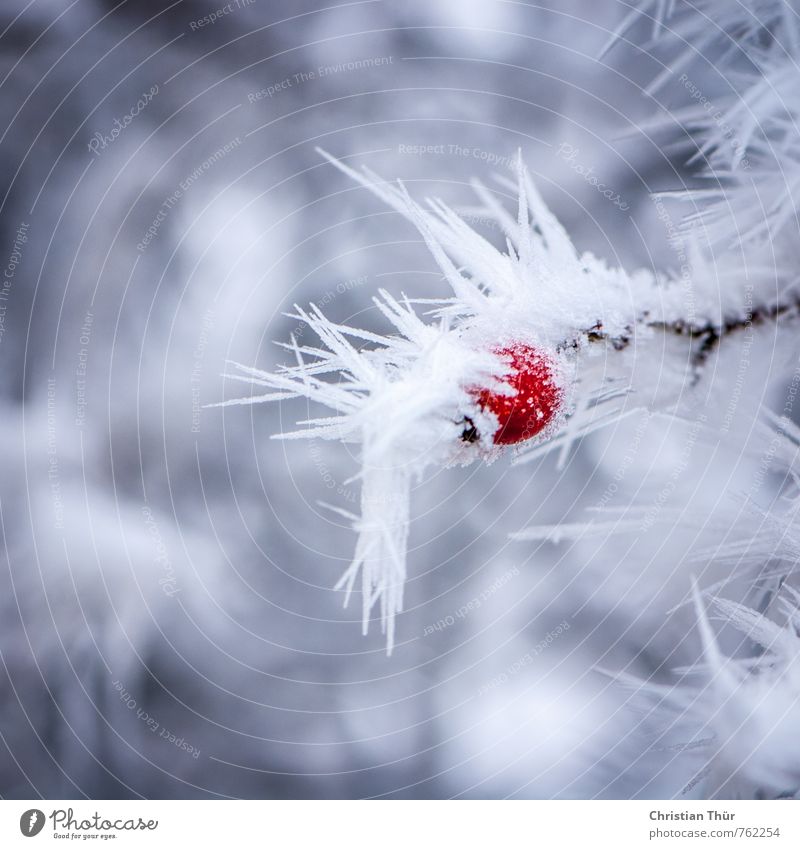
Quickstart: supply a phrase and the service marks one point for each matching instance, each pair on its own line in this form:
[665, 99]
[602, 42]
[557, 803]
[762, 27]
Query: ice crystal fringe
[746, 126]
[733, 719]
[737, 718]
[761, 546]
[405, 397]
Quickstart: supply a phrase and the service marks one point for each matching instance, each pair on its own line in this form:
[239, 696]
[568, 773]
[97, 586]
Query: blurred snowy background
[168, 626]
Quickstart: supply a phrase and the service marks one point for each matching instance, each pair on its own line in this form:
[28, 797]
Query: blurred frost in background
[168, 624]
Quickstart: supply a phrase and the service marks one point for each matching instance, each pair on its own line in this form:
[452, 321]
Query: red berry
[536, 400]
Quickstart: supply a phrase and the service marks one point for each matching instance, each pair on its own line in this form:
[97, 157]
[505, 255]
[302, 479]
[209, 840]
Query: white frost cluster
[734, 717]
[405, 397]
[732, 721]
[744, 130]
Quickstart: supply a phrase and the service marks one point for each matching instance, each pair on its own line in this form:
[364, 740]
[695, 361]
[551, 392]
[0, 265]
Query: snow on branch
[528, 339]
[533, 346]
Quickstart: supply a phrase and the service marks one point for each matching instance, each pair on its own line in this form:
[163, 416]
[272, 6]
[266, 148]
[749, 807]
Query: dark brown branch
[709, 335]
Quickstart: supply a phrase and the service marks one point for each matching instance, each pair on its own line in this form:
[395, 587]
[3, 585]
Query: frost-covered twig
[536, 340]
[418, 397]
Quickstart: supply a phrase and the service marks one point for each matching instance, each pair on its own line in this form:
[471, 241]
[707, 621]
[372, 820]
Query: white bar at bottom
[403, 824]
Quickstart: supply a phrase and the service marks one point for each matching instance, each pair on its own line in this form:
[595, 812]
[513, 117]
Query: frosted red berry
[534, 404]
